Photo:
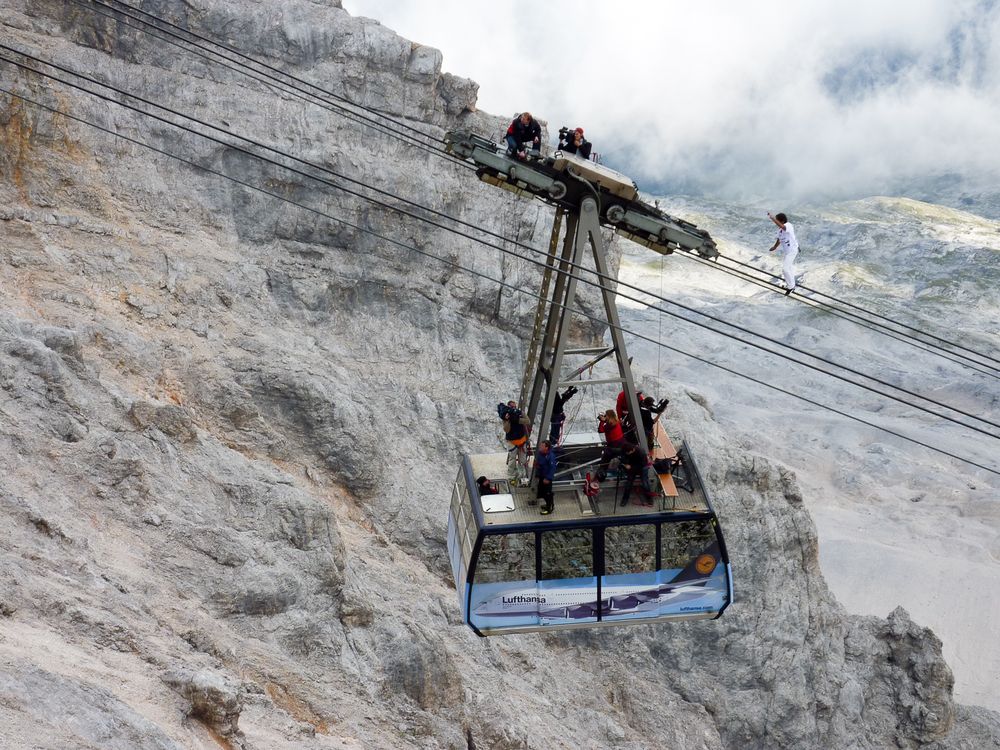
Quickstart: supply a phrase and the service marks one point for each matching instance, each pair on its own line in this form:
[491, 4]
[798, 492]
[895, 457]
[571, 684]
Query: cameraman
[610, 426]
[575, 143]
[647, 408]
[516, 428]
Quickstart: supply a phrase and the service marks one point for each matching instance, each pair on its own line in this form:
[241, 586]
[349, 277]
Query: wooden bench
[663, 448]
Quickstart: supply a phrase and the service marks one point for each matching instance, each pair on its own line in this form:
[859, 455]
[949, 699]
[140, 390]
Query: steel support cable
[873, 313]
[270, 80]
[401, 124]
[255, 61]
[413, 128]
[541, 263]
[478, 274]
[244, 139]
[938, 349]
[529, 260]
[181, 33]
[856, 319]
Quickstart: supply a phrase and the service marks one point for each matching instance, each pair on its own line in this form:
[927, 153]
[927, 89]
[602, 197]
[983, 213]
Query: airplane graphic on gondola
[693, 590]
[570, 603]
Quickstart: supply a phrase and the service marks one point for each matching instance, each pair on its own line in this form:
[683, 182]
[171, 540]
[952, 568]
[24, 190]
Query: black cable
[530, 260]
[269, 80]
[413, 128]
[873, 313]
[885, 330]
[239, 137]
[394, 134]
[499, 282]
[854, 318]
[255, 61]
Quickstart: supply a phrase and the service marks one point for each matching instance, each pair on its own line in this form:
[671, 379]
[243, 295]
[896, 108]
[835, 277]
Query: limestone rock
[215, 699]
[43, 707]
[170, 419]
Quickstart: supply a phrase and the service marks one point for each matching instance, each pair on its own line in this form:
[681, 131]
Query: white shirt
[786, 237]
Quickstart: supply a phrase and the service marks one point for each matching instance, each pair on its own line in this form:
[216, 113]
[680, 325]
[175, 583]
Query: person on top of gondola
[559, 414]
[647, 408]
[514, 427]
[545, 467]
[486, 487]
[575, 143]
[622, 410]
[634, 461]
[524, 134]
[611, 427]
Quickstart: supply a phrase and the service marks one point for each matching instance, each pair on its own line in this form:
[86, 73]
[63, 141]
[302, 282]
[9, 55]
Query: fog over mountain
[742, 99]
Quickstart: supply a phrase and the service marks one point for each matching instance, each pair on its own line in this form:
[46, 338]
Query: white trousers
[788, 267]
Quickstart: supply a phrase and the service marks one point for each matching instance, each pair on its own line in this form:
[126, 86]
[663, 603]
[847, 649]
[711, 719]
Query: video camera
[656, 407]
[505, 411]
[565, 134]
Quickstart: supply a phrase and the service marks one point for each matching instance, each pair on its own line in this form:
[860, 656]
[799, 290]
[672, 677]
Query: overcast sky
[751, 98]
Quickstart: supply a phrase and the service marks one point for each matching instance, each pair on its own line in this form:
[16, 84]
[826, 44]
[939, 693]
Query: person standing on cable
[524, 133]
[789, 248]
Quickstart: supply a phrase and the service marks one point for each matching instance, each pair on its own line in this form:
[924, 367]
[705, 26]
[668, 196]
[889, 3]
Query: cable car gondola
[592, 561]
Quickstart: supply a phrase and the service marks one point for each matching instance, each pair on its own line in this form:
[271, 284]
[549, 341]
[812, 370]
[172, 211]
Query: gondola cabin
[593, 561]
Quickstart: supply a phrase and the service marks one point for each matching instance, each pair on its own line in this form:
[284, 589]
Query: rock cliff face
[228, 429]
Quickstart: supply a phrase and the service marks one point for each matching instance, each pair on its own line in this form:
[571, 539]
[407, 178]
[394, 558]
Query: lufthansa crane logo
[705, 564]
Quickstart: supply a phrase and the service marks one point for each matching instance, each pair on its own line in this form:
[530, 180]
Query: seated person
[523, 134]
[486, 487]
[576, 144]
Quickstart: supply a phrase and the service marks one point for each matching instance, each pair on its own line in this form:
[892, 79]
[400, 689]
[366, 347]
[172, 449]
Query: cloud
[754, 98]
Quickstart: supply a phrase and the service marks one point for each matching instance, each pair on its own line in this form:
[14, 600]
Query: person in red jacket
[622, 410]
[524, 133]
[621, 405]
[610, 426]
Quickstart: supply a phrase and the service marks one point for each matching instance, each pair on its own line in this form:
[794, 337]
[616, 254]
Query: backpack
[663, 465]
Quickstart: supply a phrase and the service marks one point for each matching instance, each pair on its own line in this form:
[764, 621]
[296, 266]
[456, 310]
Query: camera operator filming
[573, 142]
